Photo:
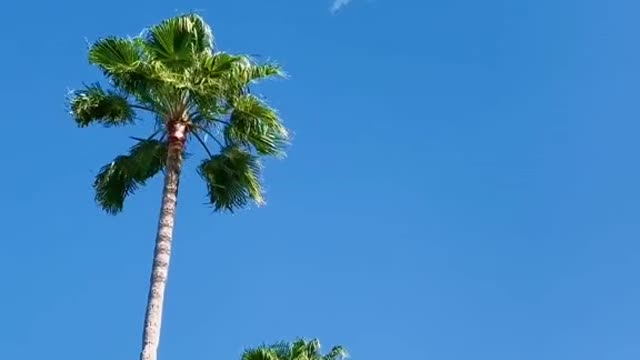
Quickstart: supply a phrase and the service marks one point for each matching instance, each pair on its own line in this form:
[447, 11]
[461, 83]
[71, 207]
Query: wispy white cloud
[339, 4]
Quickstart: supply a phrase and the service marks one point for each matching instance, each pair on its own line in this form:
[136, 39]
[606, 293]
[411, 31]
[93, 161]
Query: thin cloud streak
[339, 4]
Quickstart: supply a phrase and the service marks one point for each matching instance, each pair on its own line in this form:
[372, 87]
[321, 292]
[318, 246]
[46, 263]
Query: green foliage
[126, 173]
[124, 63]
[115, 55]
[232, 178]
[177, 41]
[246, 71]
[298, 350]
[173, 72]
[93, 104]
[253, 123]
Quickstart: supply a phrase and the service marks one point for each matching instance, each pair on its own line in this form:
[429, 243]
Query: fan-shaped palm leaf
[107, 107]
[126, 173]
[247, 71]
[233, 178]
[254, 123]
[125, 64]
[115, 55]
[176, 41]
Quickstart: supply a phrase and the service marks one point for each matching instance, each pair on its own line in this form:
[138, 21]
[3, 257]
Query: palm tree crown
[297, 350]
[174, 74]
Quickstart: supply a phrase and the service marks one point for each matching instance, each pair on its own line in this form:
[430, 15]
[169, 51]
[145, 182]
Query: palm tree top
[173, 75]
[300, 349]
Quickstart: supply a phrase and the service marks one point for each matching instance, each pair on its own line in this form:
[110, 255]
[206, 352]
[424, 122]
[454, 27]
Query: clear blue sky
[463, 185]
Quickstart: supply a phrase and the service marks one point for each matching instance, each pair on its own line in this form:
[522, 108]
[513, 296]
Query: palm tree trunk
[162, 253]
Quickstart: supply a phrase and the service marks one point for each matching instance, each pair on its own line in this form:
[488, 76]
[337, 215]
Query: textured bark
[162, 253]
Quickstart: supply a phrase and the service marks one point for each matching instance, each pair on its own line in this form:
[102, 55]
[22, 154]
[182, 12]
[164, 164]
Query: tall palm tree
[297, 350]
[172, 75]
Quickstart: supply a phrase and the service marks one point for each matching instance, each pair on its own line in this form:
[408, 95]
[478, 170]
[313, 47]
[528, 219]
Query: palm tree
[298, 350]
[172, 75]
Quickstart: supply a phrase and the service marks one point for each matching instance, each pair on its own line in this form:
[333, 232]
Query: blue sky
[463, 185]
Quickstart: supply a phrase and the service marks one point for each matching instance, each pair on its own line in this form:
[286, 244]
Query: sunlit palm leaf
[233, 178]
[123, 62]
[263, 353]
[211, 74]
[336, 353]
[307, 350]
[215, 65]
[220, 70]
[246, 71]
[297, 350]
[94, 104]
[114, 54]
[254, 123]
[124, 175]
[281, 349]
[177, 41]
[209, 84]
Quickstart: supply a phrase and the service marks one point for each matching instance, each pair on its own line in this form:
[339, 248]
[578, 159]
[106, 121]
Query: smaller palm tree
[297, 350]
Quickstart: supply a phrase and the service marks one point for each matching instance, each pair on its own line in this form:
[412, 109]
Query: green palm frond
[254, 123]
[282, 350]
[277, 351]
[176, 41]
[244, 72]
[211, 74]
[262, 353]
[311, 350]
[233, 178]
[226, 76]
[215, 65]
[313, 347]
[94, 104]
[300, 349]
[126, 173]
[336, 353]
[247, 71]
[122, 61]
[211, 83]
[115, 55]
